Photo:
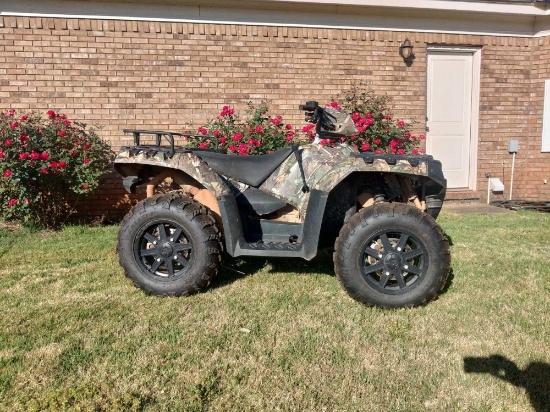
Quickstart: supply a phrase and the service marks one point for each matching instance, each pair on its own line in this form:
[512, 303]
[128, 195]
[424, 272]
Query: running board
[236, 244]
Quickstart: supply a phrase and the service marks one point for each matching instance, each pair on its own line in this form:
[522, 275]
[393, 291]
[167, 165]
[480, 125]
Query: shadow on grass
[535, 378]
[233, 269]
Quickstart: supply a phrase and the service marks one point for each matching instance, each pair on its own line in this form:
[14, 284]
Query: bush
[261, 133]
[44, 164]
[378, 130]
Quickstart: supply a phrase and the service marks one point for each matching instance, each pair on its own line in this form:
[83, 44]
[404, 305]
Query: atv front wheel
[169, 245]
[392, 255]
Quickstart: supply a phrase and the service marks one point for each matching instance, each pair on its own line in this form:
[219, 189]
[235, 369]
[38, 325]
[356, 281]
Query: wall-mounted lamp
[406, 51]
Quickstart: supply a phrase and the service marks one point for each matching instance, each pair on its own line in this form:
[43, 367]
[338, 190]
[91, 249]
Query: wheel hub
[166, 250]
[393, 261]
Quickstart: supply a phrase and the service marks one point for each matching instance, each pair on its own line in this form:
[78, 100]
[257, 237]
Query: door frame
[474, 116]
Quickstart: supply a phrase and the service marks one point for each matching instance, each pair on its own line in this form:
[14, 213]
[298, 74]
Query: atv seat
[252, 170]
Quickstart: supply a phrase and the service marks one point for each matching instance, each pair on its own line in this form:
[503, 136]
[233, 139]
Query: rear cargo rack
[169, 137]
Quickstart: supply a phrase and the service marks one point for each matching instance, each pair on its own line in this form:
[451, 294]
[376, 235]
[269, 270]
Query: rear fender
[132, 168]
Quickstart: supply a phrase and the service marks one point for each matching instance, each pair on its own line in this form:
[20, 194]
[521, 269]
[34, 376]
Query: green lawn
[275, 334]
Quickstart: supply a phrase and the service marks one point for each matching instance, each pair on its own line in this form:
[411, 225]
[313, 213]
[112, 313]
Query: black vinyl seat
[252, 170]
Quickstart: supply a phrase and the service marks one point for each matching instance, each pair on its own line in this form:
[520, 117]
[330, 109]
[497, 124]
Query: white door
[449, 114]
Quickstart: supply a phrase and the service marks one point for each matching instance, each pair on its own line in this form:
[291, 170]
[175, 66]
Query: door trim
[474, 117]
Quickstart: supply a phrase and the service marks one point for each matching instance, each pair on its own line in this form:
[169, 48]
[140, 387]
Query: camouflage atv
[376, 210]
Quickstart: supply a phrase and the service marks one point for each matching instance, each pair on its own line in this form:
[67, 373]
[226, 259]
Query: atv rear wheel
[169, 245]
[392, 255]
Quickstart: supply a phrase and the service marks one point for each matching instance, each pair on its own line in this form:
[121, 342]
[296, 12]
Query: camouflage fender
[324, 168]
[187, 162]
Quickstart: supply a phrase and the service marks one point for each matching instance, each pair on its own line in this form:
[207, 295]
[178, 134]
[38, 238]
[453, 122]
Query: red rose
[7, 173]
[51, 114]
[66, 122]
[232, 148]
[222, 140]
[44, 156]
[86, 146]
[84, 185]
[365, 147]
[73, 153]
[11, 112]
[401, 123]
[43, 170]
[24, 118]
[14, 125]
[12, 202]
[237, 137]
[62, 133]
[35, 155]
[62, 165]
[24, 137]
[216, 133]
[202, 146]
[88, 160]
[53, 165]
[8, 142]
[1, 155]
[23, 156]
[259, 129]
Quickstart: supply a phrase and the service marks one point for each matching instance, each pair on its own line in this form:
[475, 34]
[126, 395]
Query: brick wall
[126, 74]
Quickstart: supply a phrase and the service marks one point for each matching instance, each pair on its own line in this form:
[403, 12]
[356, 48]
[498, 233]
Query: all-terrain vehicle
[376, 210]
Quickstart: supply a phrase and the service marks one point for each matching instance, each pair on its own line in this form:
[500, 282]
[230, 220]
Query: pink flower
[43, 170]
[355, 116]
[203, 131]
[86, 146]
[376, 141]
[288, 127]
[222, 140]
[227, 111]
[66, 122]
[12, 202]
[8, 142]
[232, 148]
[11, 112]
[259, 129]
[289, 138]
[53, 165]
[35, 155]
[7, 173]
[216, 133]
[23, 156]
[276, 120]
[84, 186]
[1, 155]
[401, 123]
[24, 118]
[14, 125]
[62, 165]
[401, 151]
[408, 135]
[237, 137]
[203, 145]
[74, 153]
[365, 147]
[62, 133]
[86, 160]
[44, 156]
[251, 142]
[422, 137]
[24, 137]
[378, 151]
[414, 151]
[334, 105]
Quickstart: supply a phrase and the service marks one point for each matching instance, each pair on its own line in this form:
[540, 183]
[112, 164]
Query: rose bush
[261, 133]
[44, 163]
[378, 130]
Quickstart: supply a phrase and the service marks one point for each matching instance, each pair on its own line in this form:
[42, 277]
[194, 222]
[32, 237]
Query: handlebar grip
[309, 106]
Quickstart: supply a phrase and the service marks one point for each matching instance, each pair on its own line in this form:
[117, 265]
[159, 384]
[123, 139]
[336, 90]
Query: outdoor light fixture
[406, 51]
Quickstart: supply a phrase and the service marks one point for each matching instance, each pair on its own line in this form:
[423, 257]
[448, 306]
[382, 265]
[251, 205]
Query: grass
[75, 335]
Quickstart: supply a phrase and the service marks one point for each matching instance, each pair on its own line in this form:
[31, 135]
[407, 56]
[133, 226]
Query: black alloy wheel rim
[393, 262]
[163, 250]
